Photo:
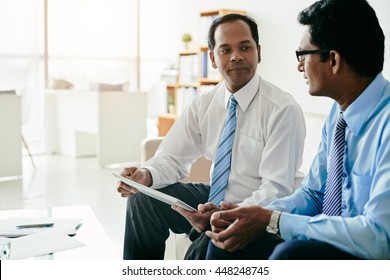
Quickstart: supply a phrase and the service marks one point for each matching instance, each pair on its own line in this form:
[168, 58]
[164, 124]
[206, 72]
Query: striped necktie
[223, 158]
[333, 189]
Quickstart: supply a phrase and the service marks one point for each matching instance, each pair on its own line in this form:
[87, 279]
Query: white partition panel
[10, 135]
[122, 126]
[107, 124]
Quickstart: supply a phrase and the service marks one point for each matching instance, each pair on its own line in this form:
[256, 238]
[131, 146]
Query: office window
[20, 61]
[89, 42]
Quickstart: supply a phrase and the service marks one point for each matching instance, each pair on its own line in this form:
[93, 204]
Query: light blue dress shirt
[363, 229]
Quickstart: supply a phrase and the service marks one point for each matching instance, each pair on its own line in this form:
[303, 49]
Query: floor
[63, 181]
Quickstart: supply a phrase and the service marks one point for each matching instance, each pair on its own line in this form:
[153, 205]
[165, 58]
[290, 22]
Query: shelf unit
[207, 17]
[195, 73]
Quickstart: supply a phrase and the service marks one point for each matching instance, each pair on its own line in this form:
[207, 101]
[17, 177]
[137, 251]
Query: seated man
[342, 209]
[256, 152]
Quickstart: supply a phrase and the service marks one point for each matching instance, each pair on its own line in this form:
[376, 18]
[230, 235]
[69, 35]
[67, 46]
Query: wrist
[148, 179]
[273, 225]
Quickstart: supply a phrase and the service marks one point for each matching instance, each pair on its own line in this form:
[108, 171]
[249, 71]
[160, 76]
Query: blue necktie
[333, 189]
[223, 158]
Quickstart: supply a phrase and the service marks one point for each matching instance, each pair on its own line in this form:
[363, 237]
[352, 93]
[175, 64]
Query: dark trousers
[148, 220]
[271, 248]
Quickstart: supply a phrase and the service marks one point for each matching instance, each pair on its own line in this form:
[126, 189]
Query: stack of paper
[42, 243]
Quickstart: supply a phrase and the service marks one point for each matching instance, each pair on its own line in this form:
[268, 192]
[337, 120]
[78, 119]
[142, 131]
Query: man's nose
[301, 66]
[236, 56]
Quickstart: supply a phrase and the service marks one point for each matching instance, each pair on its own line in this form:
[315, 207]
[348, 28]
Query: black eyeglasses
[302, 53]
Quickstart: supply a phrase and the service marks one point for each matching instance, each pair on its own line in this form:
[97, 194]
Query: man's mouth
[305, 77]
[237, 69]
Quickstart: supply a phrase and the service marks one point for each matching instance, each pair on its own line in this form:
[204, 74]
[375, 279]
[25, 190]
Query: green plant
[186, 38]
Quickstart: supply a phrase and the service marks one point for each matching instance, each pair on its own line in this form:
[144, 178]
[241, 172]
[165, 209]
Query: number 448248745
[249, 270]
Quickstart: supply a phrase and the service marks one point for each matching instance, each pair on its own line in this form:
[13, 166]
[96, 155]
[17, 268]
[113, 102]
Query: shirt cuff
[293, 226]
[155, 177]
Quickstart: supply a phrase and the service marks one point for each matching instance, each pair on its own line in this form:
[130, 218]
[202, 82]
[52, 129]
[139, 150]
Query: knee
[143, 206]
[288, 250]
[136, 199]
[214, 253]
[139, 203]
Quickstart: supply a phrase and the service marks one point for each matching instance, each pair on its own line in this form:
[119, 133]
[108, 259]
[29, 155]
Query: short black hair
[350, 27]
[230, 18]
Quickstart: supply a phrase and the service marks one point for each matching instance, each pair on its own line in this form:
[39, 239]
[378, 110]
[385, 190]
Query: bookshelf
[195, 73]
[207, 17]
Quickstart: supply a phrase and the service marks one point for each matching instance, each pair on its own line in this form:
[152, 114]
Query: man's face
[235, 54]
[315, 72]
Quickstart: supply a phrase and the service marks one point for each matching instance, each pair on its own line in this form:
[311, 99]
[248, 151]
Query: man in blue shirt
[341, 56]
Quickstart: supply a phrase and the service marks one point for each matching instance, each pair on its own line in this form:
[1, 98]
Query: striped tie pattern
[223, 158]
[333, 190]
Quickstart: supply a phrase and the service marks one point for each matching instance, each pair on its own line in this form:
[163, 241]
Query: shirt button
[343, 206]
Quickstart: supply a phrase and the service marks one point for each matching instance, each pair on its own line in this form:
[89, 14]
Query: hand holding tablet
[154, 193]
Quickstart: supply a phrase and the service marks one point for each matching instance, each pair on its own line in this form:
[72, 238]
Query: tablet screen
[154, 193]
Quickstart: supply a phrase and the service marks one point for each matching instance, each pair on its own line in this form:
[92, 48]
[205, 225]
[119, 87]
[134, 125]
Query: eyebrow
[240, 43]
[246, 41]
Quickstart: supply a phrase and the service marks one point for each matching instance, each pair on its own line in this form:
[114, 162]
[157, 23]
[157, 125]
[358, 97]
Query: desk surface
[98, 246]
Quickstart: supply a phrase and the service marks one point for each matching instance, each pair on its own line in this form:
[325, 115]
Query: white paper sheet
[42, 243]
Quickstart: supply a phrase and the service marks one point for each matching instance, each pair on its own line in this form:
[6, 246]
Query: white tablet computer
[154, 193]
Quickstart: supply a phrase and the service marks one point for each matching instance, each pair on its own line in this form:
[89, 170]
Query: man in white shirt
[266, 153]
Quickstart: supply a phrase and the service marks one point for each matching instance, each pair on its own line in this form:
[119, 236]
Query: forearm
[359, 236]
[304, 201]
[267, 193]
[178, 150]
[164, 174]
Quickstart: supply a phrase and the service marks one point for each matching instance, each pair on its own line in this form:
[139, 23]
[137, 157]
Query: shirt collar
[358, 112]
[245, 95]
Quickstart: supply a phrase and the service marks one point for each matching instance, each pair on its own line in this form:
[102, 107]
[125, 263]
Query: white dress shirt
[267, 149]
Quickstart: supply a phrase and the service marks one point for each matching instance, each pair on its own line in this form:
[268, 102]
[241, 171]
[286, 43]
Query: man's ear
[335, 61]
[258, 53]
[212, 58]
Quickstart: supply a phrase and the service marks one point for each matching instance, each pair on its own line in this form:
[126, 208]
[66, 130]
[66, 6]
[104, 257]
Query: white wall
[280, 34]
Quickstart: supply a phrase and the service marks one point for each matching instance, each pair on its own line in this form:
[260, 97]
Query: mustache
[236, 65]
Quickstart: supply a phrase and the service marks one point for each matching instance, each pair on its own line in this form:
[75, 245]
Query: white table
[98, 246]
